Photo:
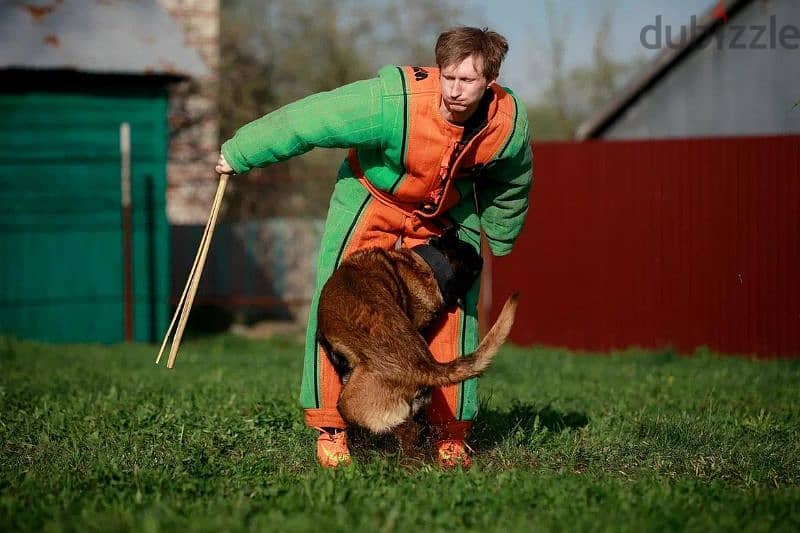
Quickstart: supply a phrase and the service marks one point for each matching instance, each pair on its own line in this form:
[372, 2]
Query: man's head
[469, 60]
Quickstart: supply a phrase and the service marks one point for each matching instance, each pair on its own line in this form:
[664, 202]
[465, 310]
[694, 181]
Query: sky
[525, 22]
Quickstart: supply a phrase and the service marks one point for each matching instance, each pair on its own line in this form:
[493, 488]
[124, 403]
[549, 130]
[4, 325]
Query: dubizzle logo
[718, 12]
[768, 35]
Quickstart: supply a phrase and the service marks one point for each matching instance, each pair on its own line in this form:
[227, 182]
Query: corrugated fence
[61, 258]
[680, 243]
[266, 265]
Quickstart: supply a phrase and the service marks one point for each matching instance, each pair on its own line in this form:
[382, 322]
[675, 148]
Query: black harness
[441, 268]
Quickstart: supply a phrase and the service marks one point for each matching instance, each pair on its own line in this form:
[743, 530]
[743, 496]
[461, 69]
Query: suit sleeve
[504, 190]
[349, 116]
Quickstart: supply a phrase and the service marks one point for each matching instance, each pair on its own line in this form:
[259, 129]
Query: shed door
[61, 275]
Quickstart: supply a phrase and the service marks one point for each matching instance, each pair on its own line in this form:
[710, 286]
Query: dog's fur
[372, 313]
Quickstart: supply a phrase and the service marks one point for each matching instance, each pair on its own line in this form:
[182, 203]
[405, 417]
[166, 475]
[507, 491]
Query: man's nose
[455, 90]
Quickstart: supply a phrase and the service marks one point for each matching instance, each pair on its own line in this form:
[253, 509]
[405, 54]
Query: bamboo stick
[189, 291]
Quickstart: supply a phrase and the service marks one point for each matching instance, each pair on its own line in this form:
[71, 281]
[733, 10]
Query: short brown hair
[457, 44]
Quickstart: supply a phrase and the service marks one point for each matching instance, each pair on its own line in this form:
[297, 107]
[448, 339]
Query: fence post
[127, 252]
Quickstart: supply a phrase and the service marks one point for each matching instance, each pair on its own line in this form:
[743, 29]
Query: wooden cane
[187, 297]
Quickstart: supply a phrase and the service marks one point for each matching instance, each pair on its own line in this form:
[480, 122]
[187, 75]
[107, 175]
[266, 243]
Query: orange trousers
[357, 220]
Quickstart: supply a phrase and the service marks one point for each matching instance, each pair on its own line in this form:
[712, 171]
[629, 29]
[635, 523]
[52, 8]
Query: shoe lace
[336, 439]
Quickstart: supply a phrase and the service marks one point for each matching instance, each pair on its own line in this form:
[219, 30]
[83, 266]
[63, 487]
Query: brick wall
[194, 139]
[253, 262]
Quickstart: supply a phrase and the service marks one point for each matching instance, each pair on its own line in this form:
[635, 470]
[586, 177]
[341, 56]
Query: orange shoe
[332, 448]
[452, 452]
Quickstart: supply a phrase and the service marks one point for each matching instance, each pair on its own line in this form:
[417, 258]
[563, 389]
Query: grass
[97, 438]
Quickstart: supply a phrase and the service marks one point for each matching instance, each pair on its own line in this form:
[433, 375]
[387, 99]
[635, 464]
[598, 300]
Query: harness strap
[428, 209]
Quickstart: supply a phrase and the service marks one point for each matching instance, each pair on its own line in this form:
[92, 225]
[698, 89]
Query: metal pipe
[127, 249]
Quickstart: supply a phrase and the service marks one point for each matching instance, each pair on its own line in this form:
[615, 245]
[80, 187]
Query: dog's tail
[477, 362]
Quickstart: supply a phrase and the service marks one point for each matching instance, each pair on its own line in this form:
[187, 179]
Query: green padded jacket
[384, 120]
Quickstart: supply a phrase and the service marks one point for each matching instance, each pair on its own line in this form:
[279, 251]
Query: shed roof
[665, 61]
[97, 36]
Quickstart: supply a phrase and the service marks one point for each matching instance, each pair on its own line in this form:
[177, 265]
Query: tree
[274, 52]
[559, 28]
[573, 95]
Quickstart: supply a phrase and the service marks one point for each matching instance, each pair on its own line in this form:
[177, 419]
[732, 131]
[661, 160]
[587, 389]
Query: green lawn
[99, 438]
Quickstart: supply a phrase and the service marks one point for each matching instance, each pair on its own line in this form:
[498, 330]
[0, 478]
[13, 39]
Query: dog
[372, 314]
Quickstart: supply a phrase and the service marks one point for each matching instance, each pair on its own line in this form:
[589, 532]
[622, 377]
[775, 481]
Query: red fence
[680, 243]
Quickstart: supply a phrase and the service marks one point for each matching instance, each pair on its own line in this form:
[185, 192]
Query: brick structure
[194, 130]
[256, 258]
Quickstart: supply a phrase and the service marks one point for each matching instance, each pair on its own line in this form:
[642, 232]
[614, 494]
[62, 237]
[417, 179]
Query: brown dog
[372, 312]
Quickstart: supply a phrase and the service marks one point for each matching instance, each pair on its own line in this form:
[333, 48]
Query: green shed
[62, 273]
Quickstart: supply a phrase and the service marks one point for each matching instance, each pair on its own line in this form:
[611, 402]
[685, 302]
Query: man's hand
[222, 166]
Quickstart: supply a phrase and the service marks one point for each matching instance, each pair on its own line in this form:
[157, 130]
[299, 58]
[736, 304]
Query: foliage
[275, 52]
[97, 437]
[573, 95]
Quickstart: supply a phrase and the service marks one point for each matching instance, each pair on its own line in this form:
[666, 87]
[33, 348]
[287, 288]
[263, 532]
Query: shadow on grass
[494, 426]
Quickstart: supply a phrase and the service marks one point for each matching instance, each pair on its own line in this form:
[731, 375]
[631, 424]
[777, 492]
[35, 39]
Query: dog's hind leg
[369, 402]
[407, 435]
[421, 400]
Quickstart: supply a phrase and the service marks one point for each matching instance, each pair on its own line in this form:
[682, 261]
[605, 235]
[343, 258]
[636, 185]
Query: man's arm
[345, 117]
[503, 194]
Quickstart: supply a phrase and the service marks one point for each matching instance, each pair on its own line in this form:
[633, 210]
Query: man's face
[462, 85]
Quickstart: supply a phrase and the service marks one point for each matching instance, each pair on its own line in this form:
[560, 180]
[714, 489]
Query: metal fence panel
[684, 243]
[61, 276]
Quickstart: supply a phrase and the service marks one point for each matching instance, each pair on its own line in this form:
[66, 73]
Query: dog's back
[382, 396]
[371, 314]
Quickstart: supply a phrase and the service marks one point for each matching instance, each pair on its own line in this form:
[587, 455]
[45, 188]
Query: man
[429, 148]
